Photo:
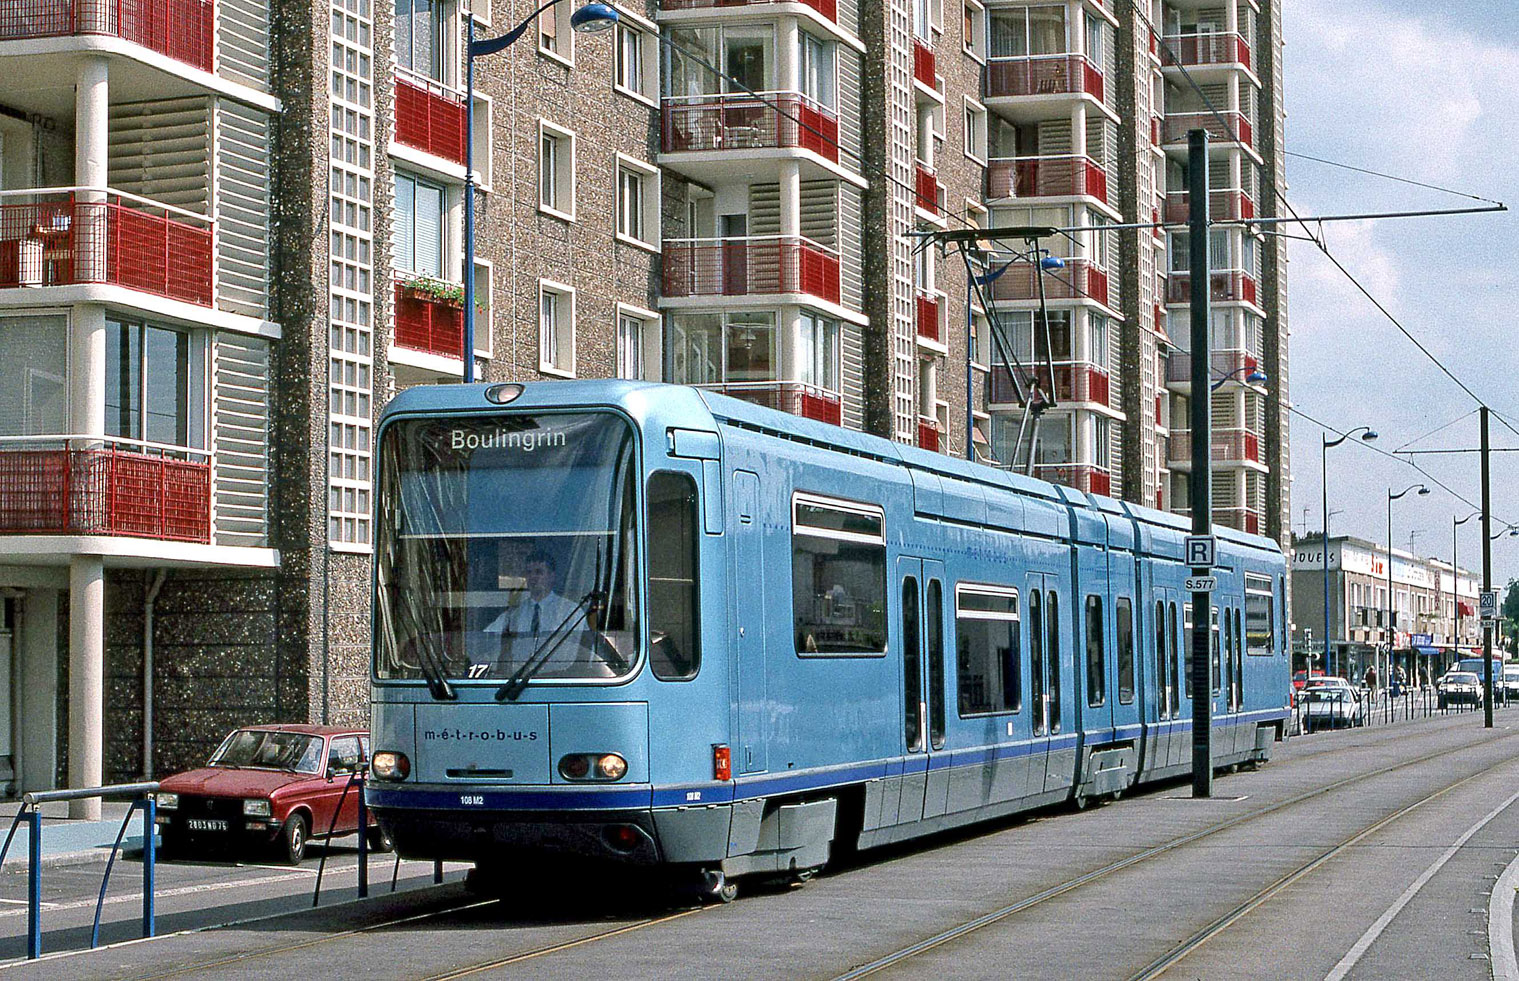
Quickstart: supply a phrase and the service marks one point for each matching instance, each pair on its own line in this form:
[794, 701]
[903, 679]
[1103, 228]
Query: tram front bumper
[621, 836]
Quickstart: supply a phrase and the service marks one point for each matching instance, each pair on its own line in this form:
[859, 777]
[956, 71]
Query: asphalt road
[1363, 854]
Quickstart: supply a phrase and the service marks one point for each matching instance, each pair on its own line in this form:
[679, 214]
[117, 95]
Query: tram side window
[1123, 630]
[1259, 616]
[1052, 650]
[1162, 680]
[1239, 664]
[1036, 660]
[1097, 682]
[1186, 651]
[674, 644]
[988, 670]
[838, 577]
[1217, 667]
[1174, 692]
[934, 616]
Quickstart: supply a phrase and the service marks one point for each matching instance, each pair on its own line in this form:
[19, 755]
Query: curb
[99, 853]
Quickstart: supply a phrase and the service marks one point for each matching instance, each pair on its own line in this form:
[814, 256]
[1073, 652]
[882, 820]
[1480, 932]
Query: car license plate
[206, 824]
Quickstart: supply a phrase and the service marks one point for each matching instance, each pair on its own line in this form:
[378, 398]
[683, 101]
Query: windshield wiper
[433, 670]
[515, 685]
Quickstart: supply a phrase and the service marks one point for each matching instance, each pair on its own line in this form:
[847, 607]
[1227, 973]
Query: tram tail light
[722, 762]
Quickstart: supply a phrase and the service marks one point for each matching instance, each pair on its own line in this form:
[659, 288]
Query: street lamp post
[589, 19]
[1455, 579]
[1367, 435]
[1391, 634]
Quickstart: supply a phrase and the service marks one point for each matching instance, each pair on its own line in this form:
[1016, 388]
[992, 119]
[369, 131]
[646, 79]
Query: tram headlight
[611, 767]
[593, 766]
[575, 767]
[388, 765]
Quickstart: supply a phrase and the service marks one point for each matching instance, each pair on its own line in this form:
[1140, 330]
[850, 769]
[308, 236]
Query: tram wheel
[717, 887]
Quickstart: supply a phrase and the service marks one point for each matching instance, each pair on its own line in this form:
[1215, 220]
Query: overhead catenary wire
[1391, 177]
[1437, 429]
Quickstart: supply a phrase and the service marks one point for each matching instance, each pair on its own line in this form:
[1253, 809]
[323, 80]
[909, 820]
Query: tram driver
[537, 617]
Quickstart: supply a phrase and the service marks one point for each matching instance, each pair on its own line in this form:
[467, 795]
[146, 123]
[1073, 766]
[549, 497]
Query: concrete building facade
[230, 231]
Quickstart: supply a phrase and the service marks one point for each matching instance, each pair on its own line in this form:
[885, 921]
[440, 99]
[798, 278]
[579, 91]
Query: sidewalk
[66, 842]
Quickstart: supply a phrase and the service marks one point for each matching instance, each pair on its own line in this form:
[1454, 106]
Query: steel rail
[1156, 851]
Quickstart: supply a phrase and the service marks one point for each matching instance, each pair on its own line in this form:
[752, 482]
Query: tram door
[748, 592]
[923, 609]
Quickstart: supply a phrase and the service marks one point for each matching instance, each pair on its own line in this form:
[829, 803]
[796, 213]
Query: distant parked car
[1299, 679]
[1459, 688]
[1511, 680]
[268, 786]
[1330, 703]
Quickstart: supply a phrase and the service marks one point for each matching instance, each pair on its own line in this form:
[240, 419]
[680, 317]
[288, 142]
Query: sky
[1431, 95]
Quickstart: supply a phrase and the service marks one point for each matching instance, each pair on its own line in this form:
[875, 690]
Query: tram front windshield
[505, 549]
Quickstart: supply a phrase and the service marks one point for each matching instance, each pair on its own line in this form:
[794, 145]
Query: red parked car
[268, 786]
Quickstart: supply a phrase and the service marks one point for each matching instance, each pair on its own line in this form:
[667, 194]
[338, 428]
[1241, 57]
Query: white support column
[788, 50]
[37, 691]
[92, 106]
[789, 336]
[87, 370]
[86, 680]
[791, 198]
[1231, 16]
[926, 135]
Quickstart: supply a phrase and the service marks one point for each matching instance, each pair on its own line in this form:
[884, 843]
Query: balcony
[1081, 476]
[1247, 520]
[828, 8]
[1229, 205]
[930, 192]
[1041, 177]
[428, 324]
[928, 318]
[429, 117]
[1074, 381]
[77, 485]
[1228, 446]
[739, 121]
[757, 265]
[1224, 363]
[1202, 50]
[1078, 280]
[1063, 74]
[923, 62]
[928, 434]
[1221, 127]
[1229, 286]
[117, 240]
[178, 29]
[797, 398]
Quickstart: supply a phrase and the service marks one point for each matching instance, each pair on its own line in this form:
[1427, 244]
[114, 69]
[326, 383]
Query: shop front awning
[1427, 651]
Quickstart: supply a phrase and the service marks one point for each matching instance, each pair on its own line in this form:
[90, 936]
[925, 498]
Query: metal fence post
[363, 840]
[34, 884]
[437, 870]
[149, 862]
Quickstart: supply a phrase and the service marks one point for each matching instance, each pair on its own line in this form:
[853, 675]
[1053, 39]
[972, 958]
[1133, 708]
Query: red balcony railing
[929, 191]
[928, 435]
[116, 240]
[739, 121]
[797, 398]
[1247, 520]
[923, 62]
[1083, 477]
[1226, 286]
[749, 266]
[179, 29]
[1179, 123]
[102, 486]
[1066, 74]
[1078, 280]
[429, 118]
[1225, 364]
[425, 323]
[828, 8]
[1231, 204]
[928, 317]
[1206, 49]
[1229, 446]
[1035, 177]
[1073, 382]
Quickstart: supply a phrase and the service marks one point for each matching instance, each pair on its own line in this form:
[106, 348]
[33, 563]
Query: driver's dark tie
[536, 624]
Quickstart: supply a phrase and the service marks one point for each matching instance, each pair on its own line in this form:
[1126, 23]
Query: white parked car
[1511, 679]
[1330, 703]
[1459, 688]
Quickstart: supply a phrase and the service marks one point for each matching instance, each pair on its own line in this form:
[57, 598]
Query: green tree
[1510, 613]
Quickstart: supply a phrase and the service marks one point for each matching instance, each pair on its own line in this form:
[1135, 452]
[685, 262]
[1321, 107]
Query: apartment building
[230, 230]
[1432, 613]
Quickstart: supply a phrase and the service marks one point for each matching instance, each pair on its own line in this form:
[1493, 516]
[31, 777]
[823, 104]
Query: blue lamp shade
[1257, 377]
[593, 17]
[1052, 262]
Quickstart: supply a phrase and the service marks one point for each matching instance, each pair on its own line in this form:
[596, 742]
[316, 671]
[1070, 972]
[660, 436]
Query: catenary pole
[1487, 581]
[1202, 446]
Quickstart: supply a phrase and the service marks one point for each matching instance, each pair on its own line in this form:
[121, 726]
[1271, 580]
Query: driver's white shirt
[553, 611]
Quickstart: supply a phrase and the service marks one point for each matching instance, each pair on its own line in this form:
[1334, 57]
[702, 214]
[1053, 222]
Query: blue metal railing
[141, 795]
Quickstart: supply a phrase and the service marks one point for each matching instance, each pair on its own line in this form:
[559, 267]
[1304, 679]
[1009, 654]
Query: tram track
[1152, 970]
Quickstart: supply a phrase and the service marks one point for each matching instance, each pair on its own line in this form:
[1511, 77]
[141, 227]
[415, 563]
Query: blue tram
[654, 625]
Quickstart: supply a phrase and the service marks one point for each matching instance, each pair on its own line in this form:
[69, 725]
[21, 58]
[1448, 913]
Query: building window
[1020, 32]
[148, 383]
[420, 210]
[975, 131]
[556, 170]
[973, 30]
[817, 72]
[637, 202]
[34, 375]
[1102, 442]
[421, 37]
[637, 60]
[556, 328]
[711, 348]
[632, 335]
[555, 37]
[818, 358]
